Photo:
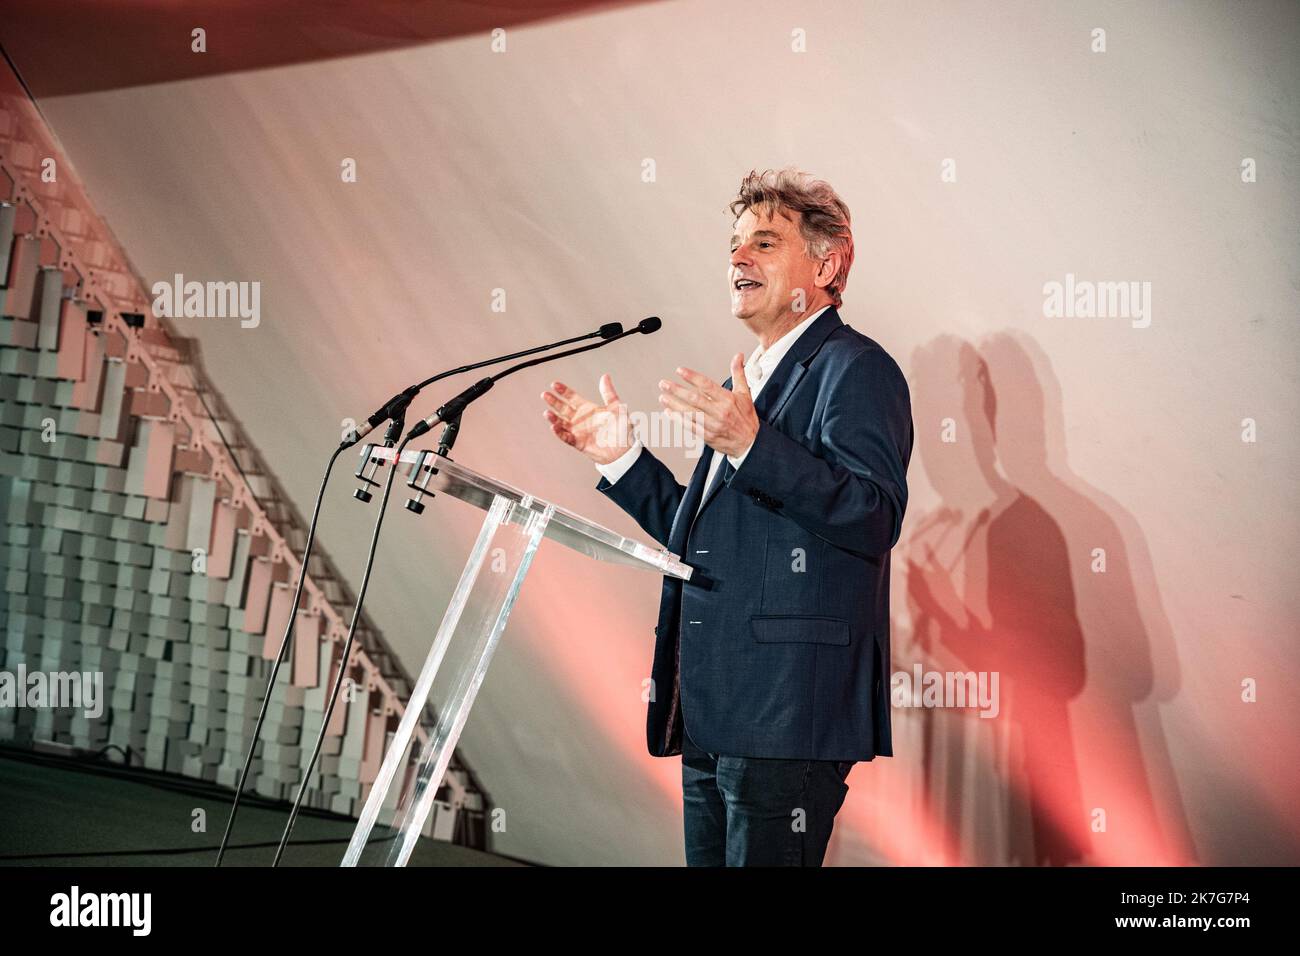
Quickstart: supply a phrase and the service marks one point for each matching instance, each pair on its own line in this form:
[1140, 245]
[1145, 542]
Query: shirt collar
[770, 358]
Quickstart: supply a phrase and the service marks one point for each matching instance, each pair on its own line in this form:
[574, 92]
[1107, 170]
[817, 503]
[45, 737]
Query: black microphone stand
[394, 410]
[449, 415]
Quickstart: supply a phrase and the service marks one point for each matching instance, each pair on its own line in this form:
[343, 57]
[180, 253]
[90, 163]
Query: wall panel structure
[142, 539]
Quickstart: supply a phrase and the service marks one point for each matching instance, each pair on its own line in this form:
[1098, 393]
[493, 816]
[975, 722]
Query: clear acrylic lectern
[403, 793]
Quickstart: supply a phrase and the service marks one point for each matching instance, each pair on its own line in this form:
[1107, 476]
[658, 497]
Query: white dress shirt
[758, 369]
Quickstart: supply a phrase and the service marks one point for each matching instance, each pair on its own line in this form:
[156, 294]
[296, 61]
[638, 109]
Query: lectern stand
[515, 524]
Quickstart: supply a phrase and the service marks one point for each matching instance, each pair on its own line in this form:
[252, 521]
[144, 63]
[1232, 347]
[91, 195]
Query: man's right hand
[601, 432]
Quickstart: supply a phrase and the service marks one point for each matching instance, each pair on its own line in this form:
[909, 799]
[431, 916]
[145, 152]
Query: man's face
[769, 265]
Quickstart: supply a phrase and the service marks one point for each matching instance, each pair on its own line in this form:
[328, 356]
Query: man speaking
[771, 665]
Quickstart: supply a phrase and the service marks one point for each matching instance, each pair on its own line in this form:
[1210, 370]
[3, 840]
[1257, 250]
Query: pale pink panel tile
[178, 518]
[158, 460]
[72, 341]
[376, 735]
[339, 719]
[277, 617]
[221, 549]
[260, 578]
[24, 266]
[306, 650]
[85, 394]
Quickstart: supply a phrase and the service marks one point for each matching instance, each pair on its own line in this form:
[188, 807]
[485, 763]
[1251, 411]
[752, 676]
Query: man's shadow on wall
[1026, 570]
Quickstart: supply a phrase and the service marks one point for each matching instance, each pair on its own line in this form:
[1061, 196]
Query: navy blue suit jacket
[778, 646]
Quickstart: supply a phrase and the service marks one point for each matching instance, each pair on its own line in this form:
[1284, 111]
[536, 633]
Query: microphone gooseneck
[396, 406]
[453, 409]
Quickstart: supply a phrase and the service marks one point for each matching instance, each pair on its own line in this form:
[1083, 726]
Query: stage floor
[59, 812]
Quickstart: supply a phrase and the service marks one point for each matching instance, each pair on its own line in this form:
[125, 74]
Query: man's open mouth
[741, 285]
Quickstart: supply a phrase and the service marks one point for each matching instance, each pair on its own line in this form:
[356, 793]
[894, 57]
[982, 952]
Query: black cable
[279, 657]
[127, 753]
[216, 425]
[347, 651]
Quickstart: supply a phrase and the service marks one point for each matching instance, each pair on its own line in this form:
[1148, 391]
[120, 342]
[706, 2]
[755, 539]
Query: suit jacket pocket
[799, 629]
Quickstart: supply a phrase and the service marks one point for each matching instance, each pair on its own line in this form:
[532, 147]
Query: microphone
[453, 409]
[610, 330]
[384, 413]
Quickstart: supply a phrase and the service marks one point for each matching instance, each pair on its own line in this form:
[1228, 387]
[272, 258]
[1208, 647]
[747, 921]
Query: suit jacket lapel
[686, 510]
[777, 391]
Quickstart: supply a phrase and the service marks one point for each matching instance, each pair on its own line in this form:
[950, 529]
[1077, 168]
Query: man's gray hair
[823, 220]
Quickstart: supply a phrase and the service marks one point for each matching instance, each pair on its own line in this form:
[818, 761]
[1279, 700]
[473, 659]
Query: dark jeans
[758, 811]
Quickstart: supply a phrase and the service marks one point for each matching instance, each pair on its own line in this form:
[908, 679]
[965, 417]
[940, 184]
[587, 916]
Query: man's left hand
[726, 420]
